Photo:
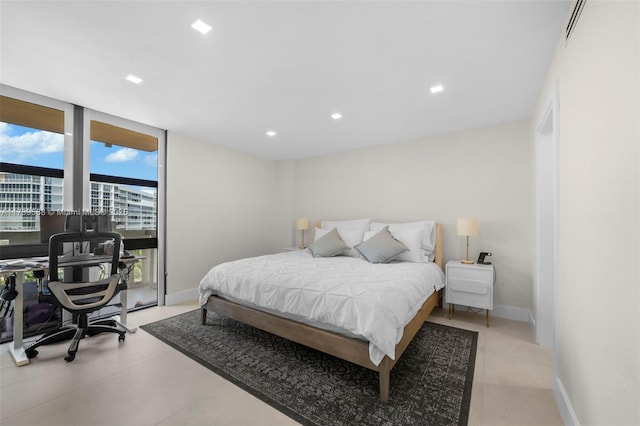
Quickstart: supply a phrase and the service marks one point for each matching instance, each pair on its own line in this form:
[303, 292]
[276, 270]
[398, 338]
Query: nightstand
[469, 285]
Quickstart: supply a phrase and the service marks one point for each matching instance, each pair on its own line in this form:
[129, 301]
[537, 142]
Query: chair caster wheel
[31, 353]
[121, 338]
[70, 357]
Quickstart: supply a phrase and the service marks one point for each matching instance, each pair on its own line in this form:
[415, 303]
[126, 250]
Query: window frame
[68, 110]
[27, 250]
[92, 115]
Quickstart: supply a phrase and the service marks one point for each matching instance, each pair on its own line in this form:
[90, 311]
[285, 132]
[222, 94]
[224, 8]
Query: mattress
[373, 301]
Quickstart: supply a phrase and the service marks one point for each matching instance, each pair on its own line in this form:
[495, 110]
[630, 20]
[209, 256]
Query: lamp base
[302, 247]
[467, 262]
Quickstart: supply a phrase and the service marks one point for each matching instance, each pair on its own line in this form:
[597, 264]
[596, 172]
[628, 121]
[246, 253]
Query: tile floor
[145, 382]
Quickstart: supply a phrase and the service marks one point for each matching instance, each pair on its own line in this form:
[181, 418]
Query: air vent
[575, 15]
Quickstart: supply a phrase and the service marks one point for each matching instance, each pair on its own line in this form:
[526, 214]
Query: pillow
[381, 247]
[428, 243]
[350, 238]
[344, 225]
[412, 238]
[319, 233]
[328, 245]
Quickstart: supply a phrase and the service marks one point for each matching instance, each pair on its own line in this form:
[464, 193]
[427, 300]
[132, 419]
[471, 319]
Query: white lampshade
[302, 224]
[468, 226]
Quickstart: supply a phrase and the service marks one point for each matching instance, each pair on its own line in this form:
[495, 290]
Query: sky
[33, 147]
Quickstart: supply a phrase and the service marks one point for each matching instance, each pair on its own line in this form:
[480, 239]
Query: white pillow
[428, 238]
[412, 238]
[347, 225]
[350, 237]
[319, 233]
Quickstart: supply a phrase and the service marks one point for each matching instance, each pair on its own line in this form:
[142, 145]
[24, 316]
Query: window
[58, 157]
[124, 181]
[32, 150]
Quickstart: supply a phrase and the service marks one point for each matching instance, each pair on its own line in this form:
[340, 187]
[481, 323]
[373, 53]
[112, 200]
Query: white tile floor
[145, 382]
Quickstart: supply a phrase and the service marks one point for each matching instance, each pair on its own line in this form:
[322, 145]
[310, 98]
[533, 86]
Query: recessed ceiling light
[132, 78]
[201, 27]
[271, 133]
[336, 116]
[437, 89]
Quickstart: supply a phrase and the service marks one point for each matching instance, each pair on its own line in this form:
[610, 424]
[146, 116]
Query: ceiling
[287, 66]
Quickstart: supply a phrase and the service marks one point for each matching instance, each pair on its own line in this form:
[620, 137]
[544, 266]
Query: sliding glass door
[124, 181]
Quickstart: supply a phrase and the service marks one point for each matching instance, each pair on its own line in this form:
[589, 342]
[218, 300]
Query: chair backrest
[72, 290]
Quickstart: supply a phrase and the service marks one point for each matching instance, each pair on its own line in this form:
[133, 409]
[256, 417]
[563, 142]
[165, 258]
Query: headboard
[439, 250]
[437, 253]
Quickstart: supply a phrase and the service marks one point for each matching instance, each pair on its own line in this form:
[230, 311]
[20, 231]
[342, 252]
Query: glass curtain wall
[109, 165]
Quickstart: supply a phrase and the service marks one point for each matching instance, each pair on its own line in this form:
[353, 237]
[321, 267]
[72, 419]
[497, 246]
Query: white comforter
[375, 301]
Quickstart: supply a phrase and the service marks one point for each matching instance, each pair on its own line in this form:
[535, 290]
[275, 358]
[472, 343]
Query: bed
[371, 337]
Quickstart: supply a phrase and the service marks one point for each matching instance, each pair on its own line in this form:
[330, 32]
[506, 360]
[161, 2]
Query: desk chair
[76, 295]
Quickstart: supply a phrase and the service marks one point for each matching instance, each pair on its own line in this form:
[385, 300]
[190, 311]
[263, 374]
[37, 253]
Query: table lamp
[302, 224]
[468, 227]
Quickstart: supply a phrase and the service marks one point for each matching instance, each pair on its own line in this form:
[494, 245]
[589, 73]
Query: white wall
[484, 173]
[247, 206]
[221, 205]
[598, 326]
[284, 200]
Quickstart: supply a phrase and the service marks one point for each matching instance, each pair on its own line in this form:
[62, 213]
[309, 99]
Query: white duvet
[375, 301]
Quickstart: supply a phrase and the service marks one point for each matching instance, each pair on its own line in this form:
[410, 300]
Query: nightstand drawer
[470, 273]
[469, 286]
[483, 300]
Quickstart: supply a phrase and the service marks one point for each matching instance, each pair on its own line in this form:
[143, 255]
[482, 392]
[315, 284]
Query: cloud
[151, 160]
[121, 155]
[18, 147]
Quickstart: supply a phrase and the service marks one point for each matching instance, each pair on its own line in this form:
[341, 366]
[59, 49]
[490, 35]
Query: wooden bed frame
[346, 348]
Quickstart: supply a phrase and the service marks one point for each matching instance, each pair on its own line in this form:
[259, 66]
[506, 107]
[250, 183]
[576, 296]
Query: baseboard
[506, 312]
[511, 313]
[532, 326]
[181, 296]
[563, 402]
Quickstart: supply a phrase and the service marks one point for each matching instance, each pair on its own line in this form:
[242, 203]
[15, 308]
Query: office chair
[75, 293]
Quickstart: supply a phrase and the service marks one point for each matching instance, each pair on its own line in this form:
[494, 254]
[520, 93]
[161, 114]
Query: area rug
[430, 385]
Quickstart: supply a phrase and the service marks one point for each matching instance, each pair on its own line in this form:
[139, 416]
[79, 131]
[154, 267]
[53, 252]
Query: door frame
[546, 223]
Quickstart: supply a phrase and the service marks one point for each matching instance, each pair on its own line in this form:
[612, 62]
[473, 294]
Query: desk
[122, 318]
[20, 267]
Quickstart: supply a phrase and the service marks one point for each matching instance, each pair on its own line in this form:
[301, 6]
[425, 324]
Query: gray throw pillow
[381, 248]
[329, 245]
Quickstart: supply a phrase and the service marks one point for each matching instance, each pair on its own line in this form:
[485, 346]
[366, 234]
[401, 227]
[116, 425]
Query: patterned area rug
[430, 385]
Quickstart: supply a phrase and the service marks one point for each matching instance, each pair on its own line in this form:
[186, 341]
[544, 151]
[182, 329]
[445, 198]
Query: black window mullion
[95, 177]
